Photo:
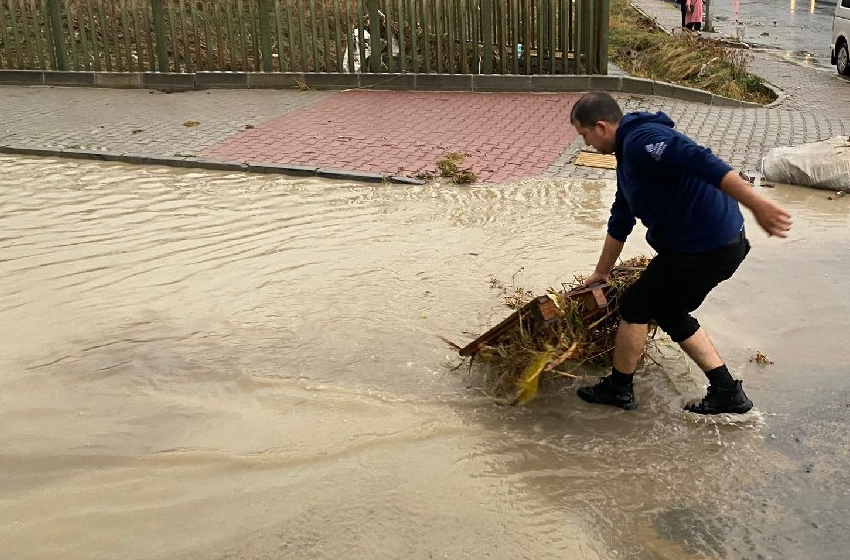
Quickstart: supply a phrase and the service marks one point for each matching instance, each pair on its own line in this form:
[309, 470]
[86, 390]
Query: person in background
[693, 17]
[683, 4]
[688, 200]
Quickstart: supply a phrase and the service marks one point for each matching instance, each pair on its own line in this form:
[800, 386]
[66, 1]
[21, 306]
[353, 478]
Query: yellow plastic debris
[530, 378]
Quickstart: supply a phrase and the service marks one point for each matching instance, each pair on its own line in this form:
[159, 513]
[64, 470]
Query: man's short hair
[594, 107]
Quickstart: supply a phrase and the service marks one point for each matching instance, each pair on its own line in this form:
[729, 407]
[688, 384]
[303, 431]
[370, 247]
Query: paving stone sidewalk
[508, 136]
[505, 136]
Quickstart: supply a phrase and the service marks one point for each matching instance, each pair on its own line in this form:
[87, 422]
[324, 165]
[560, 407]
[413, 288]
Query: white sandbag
[823, 165]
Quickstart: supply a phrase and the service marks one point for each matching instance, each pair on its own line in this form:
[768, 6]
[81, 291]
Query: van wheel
[842, 60]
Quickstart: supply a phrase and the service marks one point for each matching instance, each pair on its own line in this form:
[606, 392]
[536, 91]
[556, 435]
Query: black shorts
[675, 284]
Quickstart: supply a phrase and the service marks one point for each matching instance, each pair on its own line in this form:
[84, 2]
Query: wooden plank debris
[595, 159]
[544, 309]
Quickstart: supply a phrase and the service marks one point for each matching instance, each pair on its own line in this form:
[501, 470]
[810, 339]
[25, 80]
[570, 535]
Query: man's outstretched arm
[772, 218]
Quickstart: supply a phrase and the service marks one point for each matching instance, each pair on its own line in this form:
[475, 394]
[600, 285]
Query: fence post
[374, 36]
[589, 39]
[487, 32]
[265, 34]
[602, 34]
[159, 33]
[57, 35]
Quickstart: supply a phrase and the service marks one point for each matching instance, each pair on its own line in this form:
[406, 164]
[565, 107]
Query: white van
[841, 37]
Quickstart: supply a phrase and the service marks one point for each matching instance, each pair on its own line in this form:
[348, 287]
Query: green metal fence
[431, 36]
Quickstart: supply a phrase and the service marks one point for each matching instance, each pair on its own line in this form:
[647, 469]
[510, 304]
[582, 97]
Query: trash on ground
[351, 62]
[822, 165]
[551, 334]
[760, 358]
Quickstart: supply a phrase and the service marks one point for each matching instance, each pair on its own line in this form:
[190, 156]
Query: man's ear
[603, 128]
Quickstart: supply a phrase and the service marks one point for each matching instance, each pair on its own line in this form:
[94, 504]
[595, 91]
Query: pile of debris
[551, 334]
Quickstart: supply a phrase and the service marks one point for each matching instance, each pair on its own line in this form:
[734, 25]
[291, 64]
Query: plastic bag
[822, 165]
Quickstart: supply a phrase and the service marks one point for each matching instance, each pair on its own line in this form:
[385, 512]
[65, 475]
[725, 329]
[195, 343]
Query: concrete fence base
[332, 81]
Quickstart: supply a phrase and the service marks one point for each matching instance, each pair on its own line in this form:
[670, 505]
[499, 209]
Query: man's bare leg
[701, 350]
[629, 346]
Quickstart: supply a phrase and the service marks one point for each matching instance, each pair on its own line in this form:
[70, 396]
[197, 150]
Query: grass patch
[449, 168]
[637, 45]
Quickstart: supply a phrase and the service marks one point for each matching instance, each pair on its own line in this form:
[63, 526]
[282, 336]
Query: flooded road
[799, 30]
[204, 365]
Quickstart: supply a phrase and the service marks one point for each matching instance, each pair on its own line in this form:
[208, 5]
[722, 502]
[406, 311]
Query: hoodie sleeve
[622, 219]
[658, 152]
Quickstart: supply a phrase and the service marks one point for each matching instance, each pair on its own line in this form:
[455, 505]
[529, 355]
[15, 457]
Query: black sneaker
[605, 392]
[719, 401]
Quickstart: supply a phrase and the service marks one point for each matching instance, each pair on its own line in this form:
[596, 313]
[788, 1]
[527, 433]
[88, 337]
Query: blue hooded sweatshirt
[671, 184]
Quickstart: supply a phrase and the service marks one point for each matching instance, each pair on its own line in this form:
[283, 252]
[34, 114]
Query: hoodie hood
[632, 120]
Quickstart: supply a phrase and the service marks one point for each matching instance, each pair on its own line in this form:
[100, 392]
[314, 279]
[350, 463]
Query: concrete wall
[413, 82]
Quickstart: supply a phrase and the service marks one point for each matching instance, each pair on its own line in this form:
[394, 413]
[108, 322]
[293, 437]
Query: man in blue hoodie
[688, 200]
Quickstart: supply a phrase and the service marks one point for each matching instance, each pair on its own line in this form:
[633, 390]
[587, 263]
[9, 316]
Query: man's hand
[596, 278]
[772, 218]
[611, 249]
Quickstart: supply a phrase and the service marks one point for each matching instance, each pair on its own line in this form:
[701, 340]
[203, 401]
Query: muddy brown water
[204, 365]
[797, 30]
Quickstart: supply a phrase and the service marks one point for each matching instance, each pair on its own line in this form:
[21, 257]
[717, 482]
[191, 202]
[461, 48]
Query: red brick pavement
[507, 136]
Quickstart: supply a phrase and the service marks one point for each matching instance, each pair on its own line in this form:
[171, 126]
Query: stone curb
[216, 165]
[394, 82]
[780, 95]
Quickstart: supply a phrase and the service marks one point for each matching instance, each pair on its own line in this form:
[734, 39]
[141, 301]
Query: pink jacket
[696, 15]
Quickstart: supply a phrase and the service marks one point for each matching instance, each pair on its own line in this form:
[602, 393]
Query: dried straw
[513, 364]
